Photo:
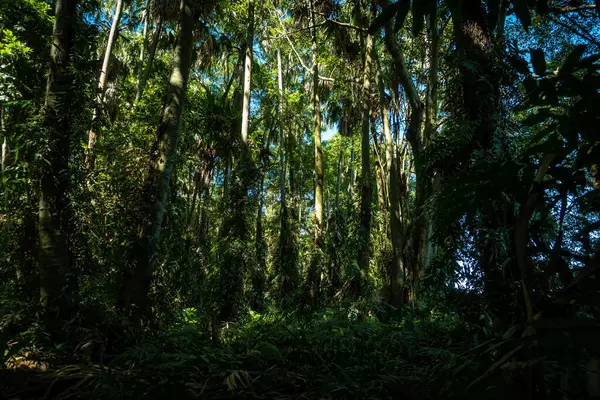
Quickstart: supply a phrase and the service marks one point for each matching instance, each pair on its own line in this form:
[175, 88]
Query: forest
[300, 199]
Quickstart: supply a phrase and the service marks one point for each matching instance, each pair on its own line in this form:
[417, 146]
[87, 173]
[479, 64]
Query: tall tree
[140, 66]
[397, 191]
[55, 256]
[136, 284]
[314, 276]
[112, 37]
[365, 181]
[151, 54]
[480, 101]
[248, 55]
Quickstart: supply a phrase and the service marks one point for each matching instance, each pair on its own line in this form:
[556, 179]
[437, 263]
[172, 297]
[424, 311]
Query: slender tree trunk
[138, 83]
[364, 238]
[136, 284]
[339, 179]
[259, 276]
[287, 273]
[151, 55]
[380, 179]
[413, 135]
[93, 135]
[352, 174]
[387, 133]
[54, 225]
[426, 248]
[314, 276]
[247, 79]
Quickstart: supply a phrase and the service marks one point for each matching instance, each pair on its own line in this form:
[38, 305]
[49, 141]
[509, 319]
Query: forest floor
[323, 357]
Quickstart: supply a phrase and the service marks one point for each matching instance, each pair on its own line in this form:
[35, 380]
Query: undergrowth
[333, 354]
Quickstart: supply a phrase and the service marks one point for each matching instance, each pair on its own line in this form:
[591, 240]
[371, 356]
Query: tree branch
[568, 9]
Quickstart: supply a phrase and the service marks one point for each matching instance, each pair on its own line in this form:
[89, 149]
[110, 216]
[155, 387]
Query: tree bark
[151, 55]
[413, 134]
[366, 187]
[281, 131]
[54, 215]
[138, 83]
[314, 276]
[137, 283]
[93, 135]
[480, 92]
[339, 179]
[247, 79]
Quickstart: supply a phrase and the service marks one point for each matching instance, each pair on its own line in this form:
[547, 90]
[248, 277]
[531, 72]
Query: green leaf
[522, 12]
[541, 116]
[385, 16]
[539, 61]
[572, 59]
[404, 6]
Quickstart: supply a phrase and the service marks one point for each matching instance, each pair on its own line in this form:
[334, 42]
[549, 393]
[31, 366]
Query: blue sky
[328, 134]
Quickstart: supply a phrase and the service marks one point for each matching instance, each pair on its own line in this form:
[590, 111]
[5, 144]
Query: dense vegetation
[300, 199]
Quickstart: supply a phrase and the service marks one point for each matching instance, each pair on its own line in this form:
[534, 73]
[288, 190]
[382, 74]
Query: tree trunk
[54, 215]
[314, 275]
[364, 229]
[339, 179]
[138, 83]
[397, 278]
[93, 135]
[281, 134]
[247, 79]
[352, 174]
[136, 285]
[413, 134]
[428, 249]
[151, 55]
[389, 143]
[259, 284]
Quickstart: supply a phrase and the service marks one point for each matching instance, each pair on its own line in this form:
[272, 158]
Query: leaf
[404, 6]
[588, 62]
[572, 59]
[385, 16]
[539, 61]
[519, 64]
[522, 12]
[495, 365]
[541, 116]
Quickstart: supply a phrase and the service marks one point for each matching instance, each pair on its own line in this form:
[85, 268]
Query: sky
[328, 134]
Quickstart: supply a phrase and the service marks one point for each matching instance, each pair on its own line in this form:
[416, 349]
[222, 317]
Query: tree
[112, 37]
[366, 188]
[136, 283]
[55, 256]
[314, 274]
